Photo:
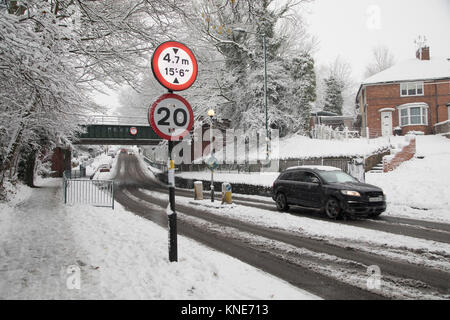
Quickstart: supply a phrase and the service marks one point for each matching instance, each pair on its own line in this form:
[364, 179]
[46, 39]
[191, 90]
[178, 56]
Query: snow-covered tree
[39, 92]
[341, 70]
[53, 52]
[333, 95]
[238, 30]
[304, 89]
[227, 38]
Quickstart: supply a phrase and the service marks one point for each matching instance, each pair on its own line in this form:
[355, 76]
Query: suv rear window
[285, 176]
[300, 176]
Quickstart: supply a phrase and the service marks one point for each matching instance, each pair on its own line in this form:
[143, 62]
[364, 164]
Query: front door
[386, 123]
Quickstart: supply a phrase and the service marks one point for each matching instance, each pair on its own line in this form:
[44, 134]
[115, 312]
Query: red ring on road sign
[133, 131]
[151, 118]
[157, 73]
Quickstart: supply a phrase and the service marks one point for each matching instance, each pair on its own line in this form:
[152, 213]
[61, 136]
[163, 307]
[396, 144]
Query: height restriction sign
[174, 66]
[171, 117]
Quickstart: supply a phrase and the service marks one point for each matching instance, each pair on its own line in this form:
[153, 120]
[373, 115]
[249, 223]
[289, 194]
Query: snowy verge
[419, 188]
[131, 259]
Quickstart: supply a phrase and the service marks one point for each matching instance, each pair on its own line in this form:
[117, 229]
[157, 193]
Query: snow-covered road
[337, 252]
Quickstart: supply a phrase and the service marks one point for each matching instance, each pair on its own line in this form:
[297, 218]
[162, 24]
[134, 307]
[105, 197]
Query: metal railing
[115, 120]
[325, 132]
[158, 165]
[99, 193]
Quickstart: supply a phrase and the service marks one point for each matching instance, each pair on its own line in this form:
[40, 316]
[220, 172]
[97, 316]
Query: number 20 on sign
[171, 117]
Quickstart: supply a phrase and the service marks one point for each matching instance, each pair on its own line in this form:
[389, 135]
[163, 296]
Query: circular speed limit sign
[171, 117]
[174, 66]
[133, 131]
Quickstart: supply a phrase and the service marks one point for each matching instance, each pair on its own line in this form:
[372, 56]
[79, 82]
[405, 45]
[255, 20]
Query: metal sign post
[172, 215]
[171, 116]
[212, 165]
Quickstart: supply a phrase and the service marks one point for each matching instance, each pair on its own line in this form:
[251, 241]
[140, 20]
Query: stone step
[378, 168]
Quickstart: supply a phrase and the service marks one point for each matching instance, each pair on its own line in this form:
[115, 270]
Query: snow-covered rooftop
[413, 69]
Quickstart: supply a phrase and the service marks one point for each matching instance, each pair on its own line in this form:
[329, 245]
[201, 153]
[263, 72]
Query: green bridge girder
[108, 134]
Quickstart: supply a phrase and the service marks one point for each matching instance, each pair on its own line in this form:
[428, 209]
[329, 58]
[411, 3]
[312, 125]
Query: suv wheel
[333, 208]
[281, 202]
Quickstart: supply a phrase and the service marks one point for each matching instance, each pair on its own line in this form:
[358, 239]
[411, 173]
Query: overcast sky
[350, 28]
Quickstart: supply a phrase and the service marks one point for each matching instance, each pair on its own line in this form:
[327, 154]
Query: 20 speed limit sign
[171, 117]
[174, 66]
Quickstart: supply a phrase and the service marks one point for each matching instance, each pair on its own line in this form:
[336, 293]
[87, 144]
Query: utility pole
[265, 96]
[211, 150]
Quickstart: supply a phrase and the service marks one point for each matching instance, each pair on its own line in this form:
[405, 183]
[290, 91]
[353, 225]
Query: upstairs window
[411, 89]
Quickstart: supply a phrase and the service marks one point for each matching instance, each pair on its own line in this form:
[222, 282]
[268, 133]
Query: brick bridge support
[61, 160]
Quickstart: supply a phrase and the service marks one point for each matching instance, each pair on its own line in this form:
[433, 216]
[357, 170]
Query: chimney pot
[423, 53]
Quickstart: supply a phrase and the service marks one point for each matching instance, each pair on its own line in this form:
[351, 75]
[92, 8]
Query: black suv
[327, 189]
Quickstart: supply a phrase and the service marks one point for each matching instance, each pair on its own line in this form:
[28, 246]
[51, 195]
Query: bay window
[413, 114]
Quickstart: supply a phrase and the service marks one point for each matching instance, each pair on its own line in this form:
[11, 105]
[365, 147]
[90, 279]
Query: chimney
[423, 53]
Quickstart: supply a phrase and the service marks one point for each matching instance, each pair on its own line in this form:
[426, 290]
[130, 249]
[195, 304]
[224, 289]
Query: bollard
[226, 193]
[198, 190]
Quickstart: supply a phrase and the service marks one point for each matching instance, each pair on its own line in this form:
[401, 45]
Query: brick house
[413, 95]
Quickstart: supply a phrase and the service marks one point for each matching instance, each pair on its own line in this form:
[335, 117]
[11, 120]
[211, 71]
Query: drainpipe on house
[364, 101]
[367, 125]
[437, 103]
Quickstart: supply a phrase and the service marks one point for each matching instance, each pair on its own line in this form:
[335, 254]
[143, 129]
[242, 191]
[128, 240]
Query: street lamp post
[265, 85]
[265, 96]
[211, 145]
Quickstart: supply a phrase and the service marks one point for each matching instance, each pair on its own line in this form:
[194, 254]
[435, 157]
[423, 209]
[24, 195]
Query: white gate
[99, 193]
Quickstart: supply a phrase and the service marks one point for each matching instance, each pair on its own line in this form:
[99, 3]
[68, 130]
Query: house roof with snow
[412, 70]
[419, 69]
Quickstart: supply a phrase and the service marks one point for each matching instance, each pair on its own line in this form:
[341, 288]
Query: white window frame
[417, 85]
[423, 114]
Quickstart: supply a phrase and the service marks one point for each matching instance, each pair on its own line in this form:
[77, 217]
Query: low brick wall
[443, 127]
[406, 154]
[375, 159]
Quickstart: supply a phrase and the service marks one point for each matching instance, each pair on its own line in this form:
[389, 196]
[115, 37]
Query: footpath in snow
[52, 251]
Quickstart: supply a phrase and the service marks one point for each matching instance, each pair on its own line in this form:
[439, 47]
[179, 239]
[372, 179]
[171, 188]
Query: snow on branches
[245, 33]
[53, 53]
